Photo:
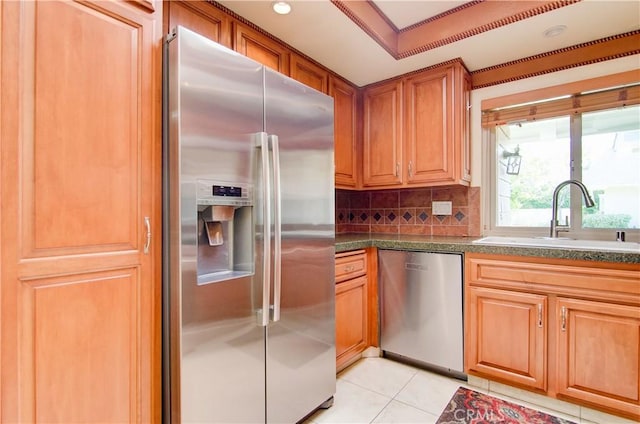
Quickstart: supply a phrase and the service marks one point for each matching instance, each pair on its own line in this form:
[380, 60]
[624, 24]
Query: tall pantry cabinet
[80, 187]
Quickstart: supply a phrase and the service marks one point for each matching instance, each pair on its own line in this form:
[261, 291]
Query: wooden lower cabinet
[356, 305]
[598, 353]
[507, 335]
[584, 347]
[351, 320]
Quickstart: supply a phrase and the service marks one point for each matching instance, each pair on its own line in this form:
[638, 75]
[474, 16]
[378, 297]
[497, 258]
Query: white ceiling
[320, 30]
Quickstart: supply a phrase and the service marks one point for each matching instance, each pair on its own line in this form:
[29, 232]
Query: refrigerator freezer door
[216, 343]
[301, 344]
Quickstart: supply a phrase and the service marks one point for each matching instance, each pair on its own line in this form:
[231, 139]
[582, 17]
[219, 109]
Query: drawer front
[350, 265]
[597, 281]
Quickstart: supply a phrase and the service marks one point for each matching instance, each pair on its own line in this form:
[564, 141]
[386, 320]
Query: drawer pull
[349, 268]
[563, 324]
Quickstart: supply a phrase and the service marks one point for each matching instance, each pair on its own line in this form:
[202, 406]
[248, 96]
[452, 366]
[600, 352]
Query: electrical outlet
[441, 208]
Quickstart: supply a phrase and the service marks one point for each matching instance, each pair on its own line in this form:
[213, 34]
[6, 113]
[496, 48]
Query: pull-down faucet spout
[588, 202]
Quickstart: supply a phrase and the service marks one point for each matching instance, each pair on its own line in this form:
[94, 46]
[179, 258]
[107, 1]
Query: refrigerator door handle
[277, 219]
[262, 143]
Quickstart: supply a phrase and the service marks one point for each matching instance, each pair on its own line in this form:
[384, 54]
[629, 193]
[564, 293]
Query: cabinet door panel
[429, 126]
[67, 314]
[598, 351]
[309, 74]
[351, 319]
[200, 17]
[80, 141]
[463, 112]
[507, 335]
[383, 135]
[80, 171]
[261, 48]
[346, 149]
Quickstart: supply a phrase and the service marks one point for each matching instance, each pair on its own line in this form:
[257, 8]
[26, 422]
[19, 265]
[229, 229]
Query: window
[530, 149]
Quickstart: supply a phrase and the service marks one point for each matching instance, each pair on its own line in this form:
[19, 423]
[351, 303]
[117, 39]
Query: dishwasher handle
[416, 267]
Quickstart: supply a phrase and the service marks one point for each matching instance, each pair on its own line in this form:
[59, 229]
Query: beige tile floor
[378, 390]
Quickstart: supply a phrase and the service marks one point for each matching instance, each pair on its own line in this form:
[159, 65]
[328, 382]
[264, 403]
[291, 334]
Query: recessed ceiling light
[281, 7]
[554, 31]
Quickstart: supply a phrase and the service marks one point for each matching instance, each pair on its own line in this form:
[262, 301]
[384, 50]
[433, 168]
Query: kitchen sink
[561, 243]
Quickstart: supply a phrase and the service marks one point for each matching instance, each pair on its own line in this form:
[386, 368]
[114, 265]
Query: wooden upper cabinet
[80, 185]
[429, 126]
[200, 17]
[345, 101]
[434, 149]
[437, 126]
[309, 73]
[462, 104]
[260, 48]
[382, 142]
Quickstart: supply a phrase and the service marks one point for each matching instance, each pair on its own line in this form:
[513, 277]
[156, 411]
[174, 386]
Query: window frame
[489, 164]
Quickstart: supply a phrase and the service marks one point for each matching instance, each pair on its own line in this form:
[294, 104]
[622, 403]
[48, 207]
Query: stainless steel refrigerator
[249, 327]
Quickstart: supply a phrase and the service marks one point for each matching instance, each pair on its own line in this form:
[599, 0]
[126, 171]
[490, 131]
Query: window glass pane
[611, 167]
[532, 159]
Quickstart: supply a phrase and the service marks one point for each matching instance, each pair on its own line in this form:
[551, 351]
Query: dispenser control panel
[224, 193]
[230, 191]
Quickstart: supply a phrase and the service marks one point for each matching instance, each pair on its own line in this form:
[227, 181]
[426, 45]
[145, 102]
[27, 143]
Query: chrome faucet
[588, 201]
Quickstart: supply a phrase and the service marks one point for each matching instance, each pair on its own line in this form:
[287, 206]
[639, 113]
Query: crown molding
[608, 48]
[454, 25]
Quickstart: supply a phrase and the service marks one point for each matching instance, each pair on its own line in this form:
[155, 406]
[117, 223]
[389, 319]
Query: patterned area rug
[470, 407]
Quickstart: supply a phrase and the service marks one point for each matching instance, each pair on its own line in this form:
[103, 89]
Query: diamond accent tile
[407, 216]
[441, 217]
[363, 216]
[423, 216]
[351, 216]
[459, 216]
[341, 216]
[377, 216]
[392, 216]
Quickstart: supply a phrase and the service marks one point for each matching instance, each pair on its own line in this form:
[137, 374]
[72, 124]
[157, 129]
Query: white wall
[561, 77]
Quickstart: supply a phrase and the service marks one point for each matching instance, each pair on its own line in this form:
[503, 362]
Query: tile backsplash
[408, 211]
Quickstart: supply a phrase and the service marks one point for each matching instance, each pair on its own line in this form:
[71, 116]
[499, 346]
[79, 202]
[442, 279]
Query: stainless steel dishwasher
[421, 308]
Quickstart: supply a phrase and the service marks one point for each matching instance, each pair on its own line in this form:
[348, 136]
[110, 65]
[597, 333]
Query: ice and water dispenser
[224, 231]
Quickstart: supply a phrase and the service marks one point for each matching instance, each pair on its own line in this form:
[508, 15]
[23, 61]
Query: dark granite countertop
[350, 241]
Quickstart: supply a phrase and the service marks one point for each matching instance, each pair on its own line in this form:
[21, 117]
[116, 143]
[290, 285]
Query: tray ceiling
[368, 41]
